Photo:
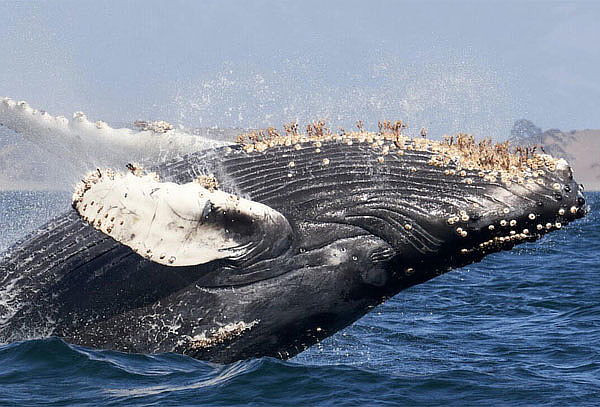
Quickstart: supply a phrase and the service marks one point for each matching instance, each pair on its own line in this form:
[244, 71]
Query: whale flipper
[81, 144]
[180, 224]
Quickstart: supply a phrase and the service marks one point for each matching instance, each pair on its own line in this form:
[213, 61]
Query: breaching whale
[268, 246]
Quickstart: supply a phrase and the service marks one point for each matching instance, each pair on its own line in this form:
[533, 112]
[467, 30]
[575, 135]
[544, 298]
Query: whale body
[267, 247]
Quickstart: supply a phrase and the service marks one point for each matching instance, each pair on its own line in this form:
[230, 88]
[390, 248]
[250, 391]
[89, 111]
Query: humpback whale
[268, 246]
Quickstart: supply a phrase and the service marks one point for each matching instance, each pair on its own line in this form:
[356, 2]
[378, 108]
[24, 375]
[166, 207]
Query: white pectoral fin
[178, 225]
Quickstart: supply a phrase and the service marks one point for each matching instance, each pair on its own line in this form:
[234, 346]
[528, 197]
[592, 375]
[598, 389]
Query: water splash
[449, 95]
[81, 145]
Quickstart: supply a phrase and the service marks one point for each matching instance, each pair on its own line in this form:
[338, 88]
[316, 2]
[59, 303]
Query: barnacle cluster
[158, 126]
[460, 155]
[221, 334]
[96, 176]
[208, 181]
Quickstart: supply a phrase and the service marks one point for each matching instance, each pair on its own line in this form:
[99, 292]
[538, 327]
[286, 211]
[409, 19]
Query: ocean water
[521, 328]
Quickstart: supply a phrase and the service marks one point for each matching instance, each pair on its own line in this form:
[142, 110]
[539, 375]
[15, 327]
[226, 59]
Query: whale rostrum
[268, 246]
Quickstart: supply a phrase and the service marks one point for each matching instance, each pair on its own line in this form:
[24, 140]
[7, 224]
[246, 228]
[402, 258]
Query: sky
[458, 66]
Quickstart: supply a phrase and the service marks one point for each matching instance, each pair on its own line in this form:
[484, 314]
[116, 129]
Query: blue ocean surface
[521, 328]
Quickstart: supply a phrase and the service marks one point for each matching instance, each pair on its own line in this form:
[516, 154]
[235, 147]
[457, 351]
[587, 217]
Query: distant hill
[581, 148]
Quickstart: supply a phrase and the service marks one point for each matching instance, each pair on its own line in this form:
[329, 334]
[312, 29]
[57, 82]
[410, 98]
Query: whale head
[495, 215]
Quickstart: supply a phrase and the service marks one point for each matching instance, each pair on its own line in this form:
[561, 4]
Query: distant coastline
[581, 148]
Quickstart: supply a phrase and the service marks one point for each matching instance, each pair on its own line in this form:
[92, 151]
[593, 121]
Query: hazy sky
[450, 66]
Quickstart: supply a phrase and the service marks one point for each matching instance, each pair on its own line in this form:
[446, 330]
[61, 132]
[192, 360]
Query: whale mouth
[554, 203]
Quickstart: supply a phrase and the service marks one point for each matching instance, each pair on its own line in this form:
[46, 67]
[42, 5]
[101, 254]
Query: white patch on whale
[169, 223]
[221, 334]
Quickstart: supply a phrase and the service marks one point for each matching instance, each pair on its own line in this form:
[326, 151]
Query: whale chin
[480, 231]
[266, 247]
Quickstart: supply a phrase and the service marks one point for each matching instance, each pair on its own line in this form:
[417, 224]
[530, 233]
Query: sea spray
[81, 145]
